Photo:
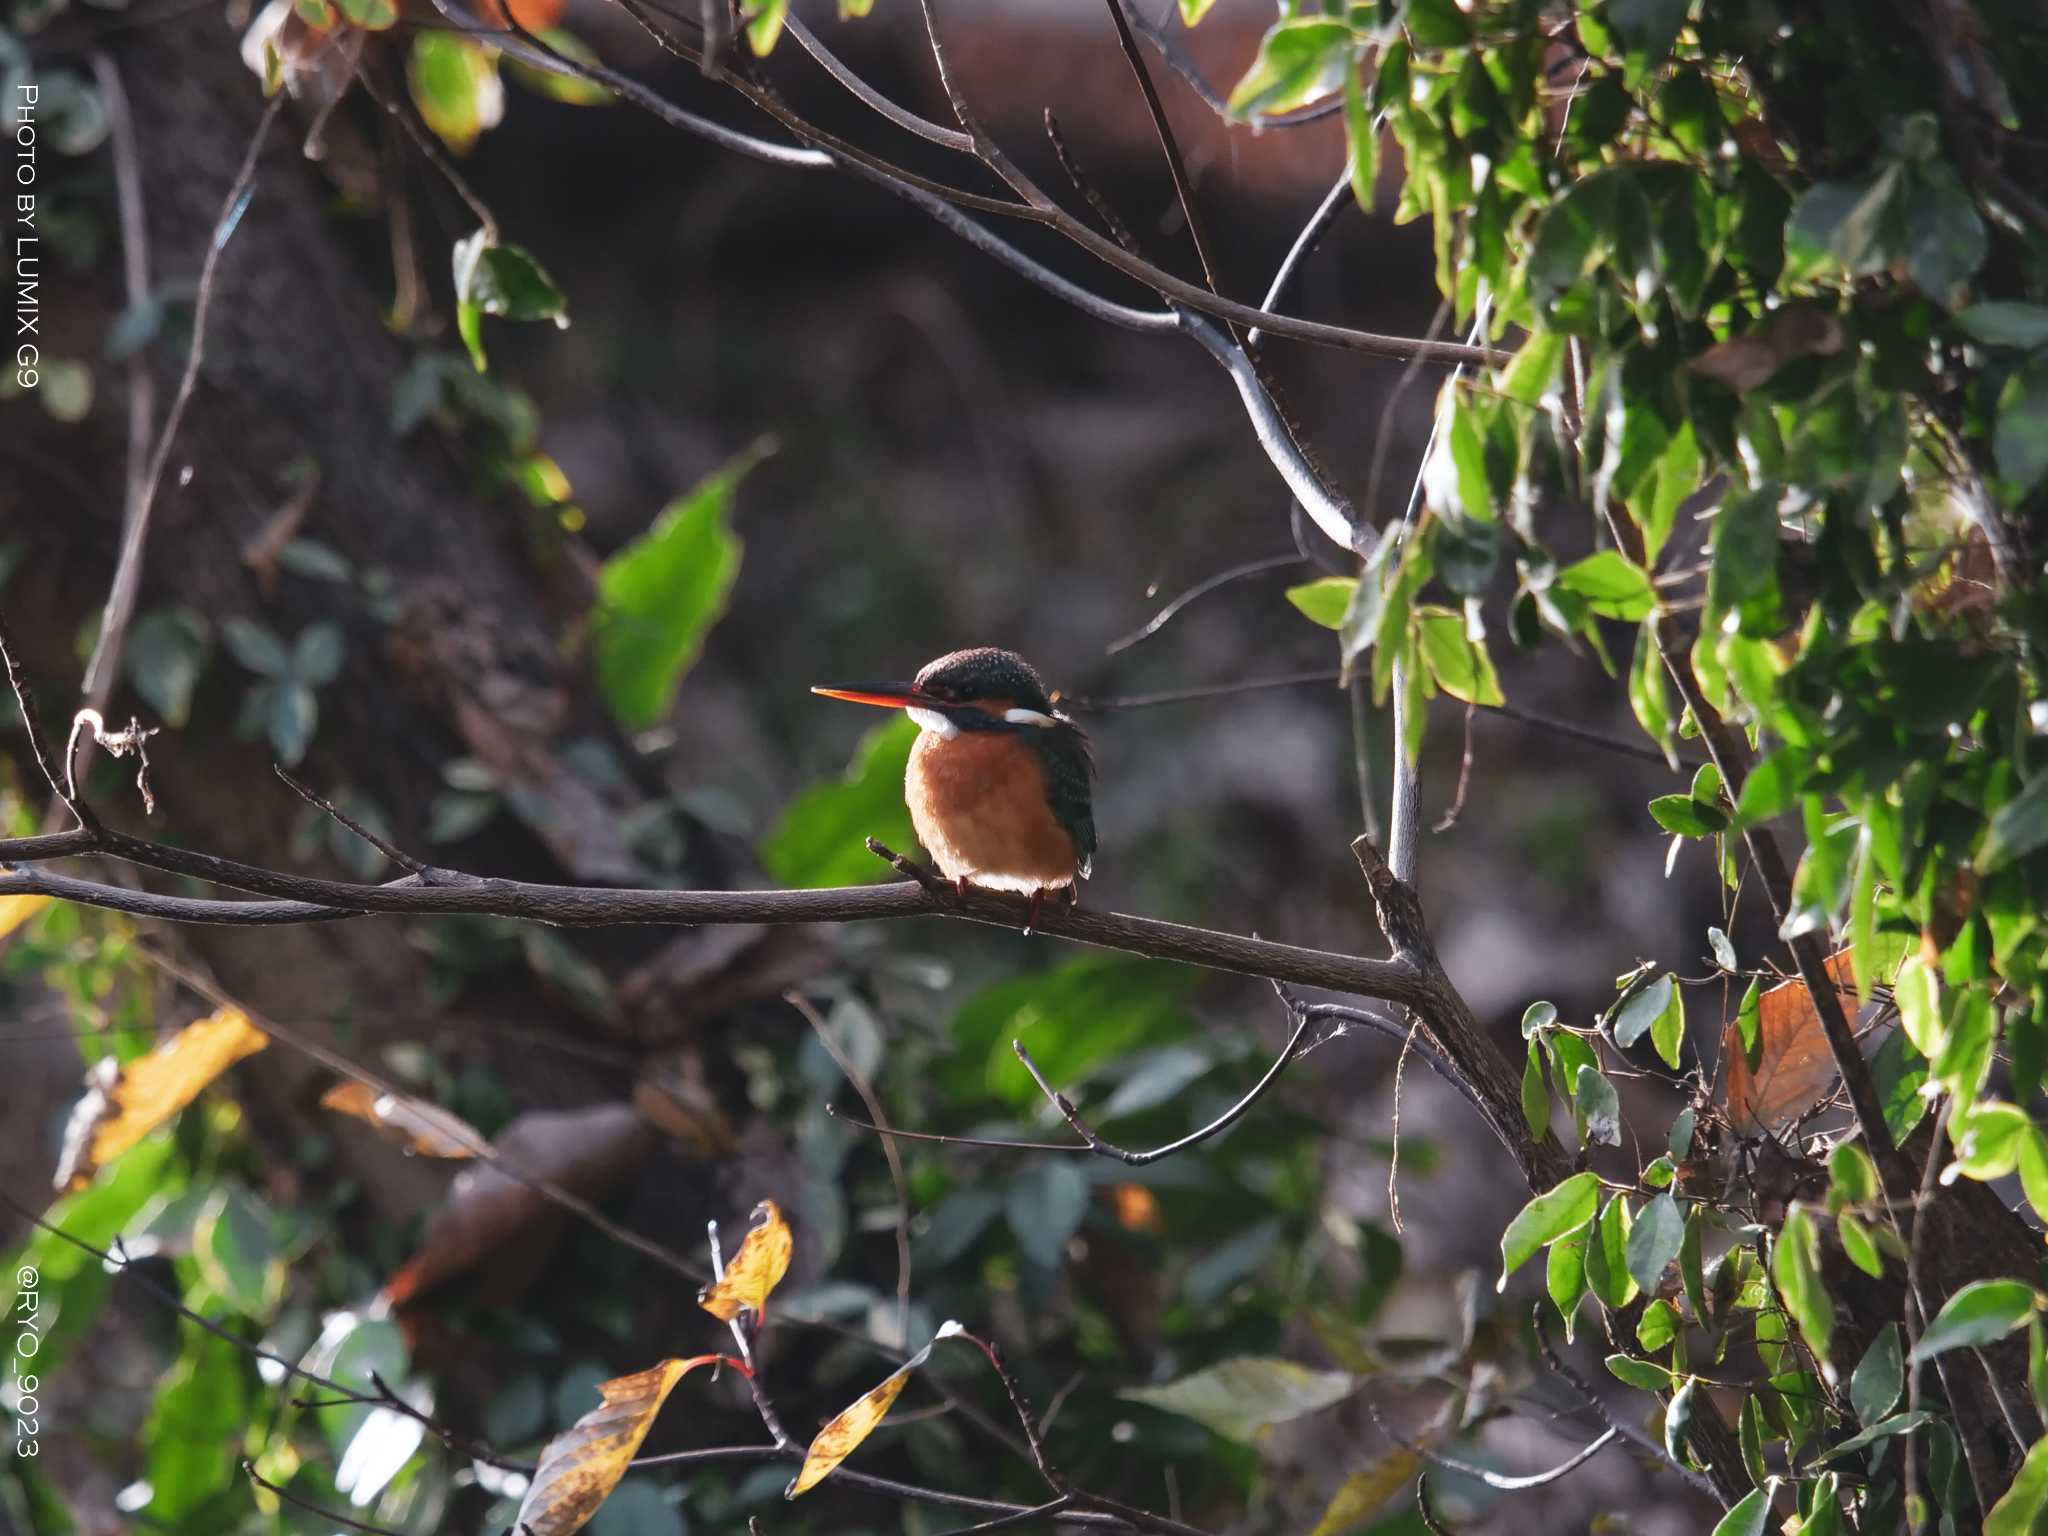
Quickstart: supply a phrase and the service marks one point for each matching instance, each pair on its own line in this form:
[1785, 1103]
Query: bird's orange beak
[882, 695]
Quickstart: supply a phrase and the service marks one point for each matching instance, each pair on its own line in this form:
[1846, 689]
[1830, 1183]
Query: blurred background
[942, 455]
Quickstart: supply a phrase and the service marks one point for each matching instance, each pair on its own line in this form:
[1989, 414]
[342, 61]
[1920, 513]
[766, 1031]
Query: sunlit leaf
[124, 1104]
[423, 1129]
[842, 1436]
[753, 1272]
[1299, 61]
[1982, 1312]
[659, 596]
[580, 1467]
[821, 838]
[1795, 1268]
[16, 910]
[1364, 1491]
[1790, 1067]
[1325, 599]
[1545, 1219]
[500, 280]
[1238, 1398]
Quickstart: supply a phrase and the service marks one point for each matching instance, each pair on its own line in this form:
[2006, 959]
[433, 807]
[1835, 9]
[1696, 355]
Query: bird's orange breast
[981, 806]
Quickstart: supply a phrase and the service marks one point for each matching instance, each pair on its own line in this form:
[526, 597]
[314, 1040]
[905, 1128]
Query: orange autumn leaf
[840, 1438]
[1790, 1068]
[581, 1466]
[533, 15]
[124, 1104]
[423, 1129]
[1137, 1208]
[755, 1270]
[16, 910]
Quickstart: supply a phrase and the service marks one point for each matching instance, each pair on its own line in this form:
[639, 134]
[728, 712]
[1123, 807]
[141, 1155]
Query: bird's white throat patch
[931, 720]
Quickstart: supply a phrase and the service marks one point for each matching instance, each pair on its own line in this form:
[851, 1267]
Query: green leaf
[1647, 30]
[1687, 817]
[1852, 1176]
[1917, 994]
[1361, 136]
[1897, 1071]
[2037, 1364]
[1633, 1018]
[1645, 1374]
[370, 15]
[237, 1252]
[500, 280]
[1750, 1436]
[1982, 1312]
[1988, 1139]
[166, 655]
[2033, 1163]
[318, 653]
[1535, 1096]
[1946, 241]
[1879, 1377]
[1648, 696]
[2019, 828]
[453, 82]
[821, 837]
[1749, 1515]
[1654, 1241]
[1659, 1325]
[764, 20]
[1858, 1244]
[1299, 61]
[2020, 443]
[1772, 786]
[1545, 1219]
[1598, 1107]
[2018, 1511]
[1192, 11]
[1678, 1419]
[1857, 224]
[1460, 664]
[290, 719]
[1564, 1278]
[1238, 1398]
[1537, 1016]
[1897, 1424]
[1795, 1268]
[194, 1432]
[1607, 1255]
[1044, 1204]
[2006, 323]
[1325, 601]
[659, 596]
[1438, 24]
[256, 647]
[1612, 586]
[1743, 579]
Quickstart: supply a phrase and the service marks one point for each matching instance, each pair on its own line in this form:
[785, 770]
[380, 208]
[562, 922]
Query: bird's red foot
[962, 885]
[1073, 893]
[1036, 906]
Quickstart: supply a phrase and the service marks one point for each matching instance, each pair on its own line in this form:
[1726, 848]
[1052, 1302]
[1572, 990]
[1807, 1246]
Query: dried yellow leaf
[124, 1104]
[581, 1466]
[16, 910]
[423, 1129]
[1364, 1491]
[755, 1270]
[840, 1438]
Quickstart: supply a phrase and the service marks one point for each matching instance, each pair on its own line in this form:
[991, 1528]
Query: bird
[1000, 780]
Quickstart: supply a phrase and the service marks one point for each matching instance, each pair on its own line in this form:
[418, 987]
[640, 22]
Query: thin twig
[861, 1086]
[1501, 1480]
[1221, 1123]
[1202, 588]
[106, 654]
[1311, 233]
[383, 845]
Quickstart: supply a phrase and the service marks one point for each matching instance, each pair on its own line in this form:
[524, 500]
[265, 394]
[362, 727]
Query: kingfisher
[999, 778]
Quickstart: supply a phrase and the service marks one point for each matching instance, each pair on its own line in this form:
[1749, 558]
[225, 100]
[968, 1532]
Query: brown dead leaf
[673, 1095]
[424, 1130]
[1743, 362]
[840, 1438]
[583, 1151]
[124, 1104]
[581, 1466]
[260, 554]
[755, 1270]
[1791, 1068]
